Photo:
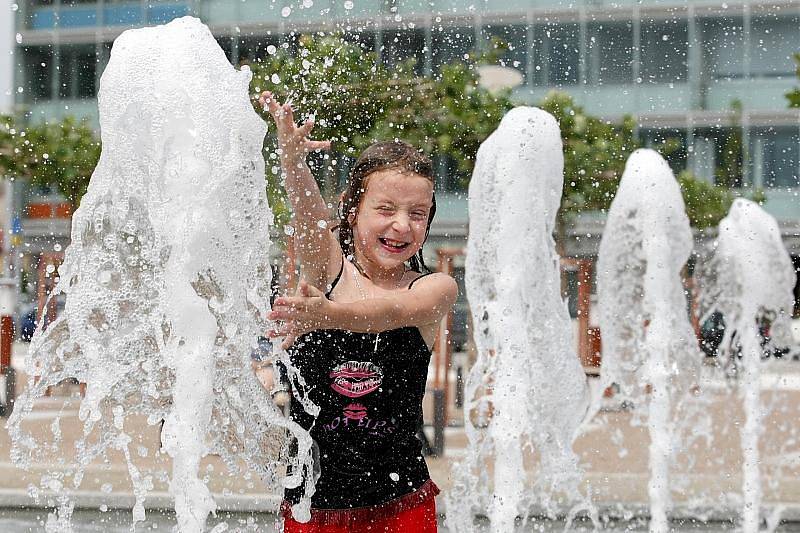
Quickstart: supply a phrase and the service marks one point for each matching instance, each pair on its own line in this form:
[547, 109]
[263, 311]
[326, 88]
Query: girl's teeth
[393, 244]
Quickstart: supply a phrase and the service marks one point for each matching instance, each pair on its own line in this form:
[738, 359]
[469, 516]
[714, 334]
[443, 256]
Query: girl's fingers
[281, 314]
[271, 104]
[287, 113]
[306, 128]
[318, 145]
[287, 343]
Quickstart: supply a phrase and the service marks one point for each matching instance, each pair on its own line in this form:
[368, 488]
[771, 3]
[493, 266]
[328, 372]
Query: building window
[670, 143]
[226, 43]
[365, 40]
[562, 42]
[723, 48]
[77, 67]
[664, 45]
[38, 61]
[777, 152]
[254, 49]
[448, 176]
[401, 45]
[451, 45]
[773, 41]
[510, 43]
[610, 50]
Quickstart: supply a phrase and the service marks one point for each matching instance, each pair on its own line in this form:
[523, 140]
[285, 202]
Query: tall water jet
[167, 279]
[523, 332]
[649, 348]
[755, 280]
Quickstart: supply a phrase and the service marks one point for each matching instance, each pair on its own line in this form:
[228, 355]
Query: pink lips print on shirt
[354, 379]
[355, 411]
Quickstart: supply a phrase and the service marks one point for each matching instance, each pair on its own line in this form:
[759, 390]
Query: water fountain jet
[755, 279]
[650, 353]
[168, 277]
[523, 333]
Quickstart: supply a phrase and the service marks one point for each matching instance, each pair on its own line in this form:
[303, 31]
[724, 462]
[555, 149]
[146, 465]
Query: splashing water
[649, 346]
[755, 280]
[522, 332]
[167, 279]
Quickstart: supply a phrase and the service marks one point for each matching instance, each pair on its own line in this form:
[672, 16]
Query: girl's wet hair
[382, 156]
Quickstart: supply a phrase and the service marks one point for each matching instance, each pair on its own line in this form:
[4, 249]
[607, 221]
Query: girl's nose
[401, 222]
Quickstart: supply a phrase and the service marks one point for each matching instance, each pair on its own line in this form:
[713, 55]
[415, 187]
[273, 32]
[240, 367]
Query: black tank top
[369, 388]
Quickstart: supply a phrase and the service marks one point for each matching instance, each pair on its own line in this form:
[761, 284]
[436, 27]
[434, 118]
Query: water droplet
[19, 38]
[275, 79]
[286, 11]
[348, 5]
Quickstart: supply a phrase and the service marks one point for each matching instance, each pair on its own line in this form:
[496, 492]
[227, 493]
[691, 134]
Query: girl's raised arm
[316, 246]
[423, 306]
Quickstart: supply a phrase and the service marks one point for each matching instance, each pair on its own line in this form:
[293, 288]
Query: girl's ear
[351, 218]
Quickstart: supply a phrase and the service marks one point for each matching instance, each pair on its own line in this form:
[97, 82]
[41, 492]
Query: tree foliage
[595, 152]
[356, 100]
[59, 154]
[706, 203]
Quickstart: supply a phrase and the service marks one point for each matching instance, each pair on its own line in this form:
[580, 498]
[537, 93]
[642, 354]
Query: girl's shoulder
[435, 281]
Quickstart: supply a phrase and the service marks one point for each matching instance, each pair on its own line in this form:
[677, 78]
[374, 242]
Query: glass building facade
[676, 66]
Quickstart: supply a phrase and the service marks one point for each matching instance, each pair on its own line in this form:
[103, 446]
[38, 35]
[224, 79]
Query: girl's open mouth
[393, 246]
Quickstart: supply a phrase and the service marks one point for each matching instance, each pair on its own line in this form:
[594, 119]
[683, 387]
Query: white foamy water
[649, 346]
[527, 387]
[755, 280]
[167, 279]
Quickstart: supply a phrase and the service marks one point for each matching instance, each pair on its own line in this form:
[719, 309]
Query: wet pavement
[705, 475]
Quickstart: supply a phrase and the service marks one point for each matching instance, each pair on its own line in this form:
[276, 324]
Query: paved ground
[613, 453]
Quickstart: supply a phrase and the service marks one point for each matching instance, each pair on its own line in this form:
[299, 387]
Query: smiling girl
[364, 344]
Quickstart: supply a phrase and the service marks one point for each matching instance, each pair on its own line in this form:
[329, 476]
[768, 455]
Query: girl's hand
[308, 310]
[293, 140]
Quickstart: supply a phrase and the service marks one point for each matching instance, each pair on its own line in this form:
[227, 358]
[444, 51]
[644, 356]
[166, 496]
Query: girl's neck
[386, 279]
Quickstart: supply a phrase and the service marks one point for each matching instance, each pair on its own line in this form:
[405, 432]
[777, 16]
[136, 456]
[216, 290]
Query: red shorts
[417, 518]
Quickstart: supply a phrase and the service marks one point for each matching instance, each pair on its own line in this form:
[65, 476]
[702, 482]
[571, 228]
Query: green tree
[706, 203]
[356, 101]
[595, 152]
[794, 95]
[59, 154]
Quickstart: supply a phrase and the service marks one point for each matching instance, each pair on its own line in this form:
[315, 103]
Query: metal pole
[7, 388]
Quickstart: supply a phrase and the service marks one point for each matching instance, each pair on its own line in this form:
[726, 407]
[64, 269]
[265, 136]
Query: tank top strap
[335, 280]
[417, 278]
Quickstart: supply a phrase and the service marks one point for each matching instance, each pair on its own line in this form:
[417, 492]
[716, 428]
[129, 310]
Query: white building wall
[7, 44]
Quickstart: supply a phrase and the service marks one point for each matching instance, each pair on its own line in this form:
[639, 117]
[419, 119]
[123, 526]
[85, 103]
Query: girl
[363, 345]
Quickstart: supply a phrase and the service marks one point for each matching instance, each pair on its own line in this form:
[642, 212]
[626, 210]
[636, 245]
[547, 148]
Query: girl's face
[389, 226]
